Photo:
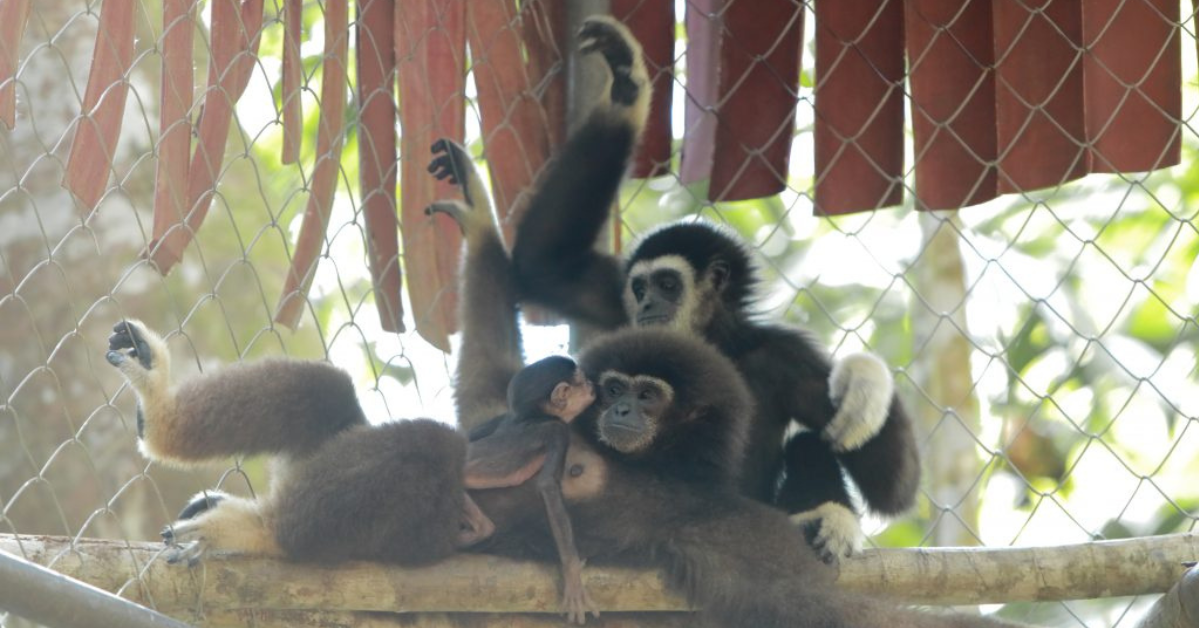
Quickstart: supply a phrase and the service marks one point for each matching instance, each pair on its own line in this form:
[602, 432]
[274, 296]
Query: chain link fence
[1044, 336]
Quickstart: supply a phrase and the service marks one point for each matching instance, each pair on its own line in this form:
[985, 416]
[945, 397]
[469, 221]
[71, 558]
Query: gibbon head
[552, 385]
[660, 388]
[685, 274]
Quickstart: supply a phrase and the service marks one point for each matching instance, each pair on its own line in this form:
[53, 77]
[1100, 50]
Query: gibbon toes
[186, 541]
[832, 530]
[450, 161]
[576, 601]
[128, 340]
[620, 49]
[861, 388]
[460, 212]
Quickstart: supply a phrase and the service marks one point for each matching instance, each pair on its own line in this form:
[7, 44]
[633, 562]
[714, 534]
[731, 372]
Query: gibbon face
[631, 410]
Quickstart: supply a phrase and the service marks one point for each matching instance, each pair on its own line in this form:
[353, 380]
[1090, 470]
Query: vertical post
[942, 371]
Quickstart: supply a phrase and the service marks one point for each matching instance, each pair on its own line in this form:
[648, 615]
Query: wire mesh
[1045, 339]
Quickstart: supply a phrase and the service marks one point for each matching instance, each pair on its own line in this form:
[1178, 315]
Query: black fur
[532, 385]
[201, 504]
[555, 265]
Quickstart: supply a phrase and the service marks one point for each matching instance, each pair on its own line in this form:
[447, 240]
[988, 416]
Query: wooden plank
[488, 584]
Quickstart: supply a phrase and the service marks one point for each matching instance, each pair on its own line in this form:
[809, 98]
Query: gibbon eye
[647, 394]
[614, 388]
[638, 287]
[668, 283]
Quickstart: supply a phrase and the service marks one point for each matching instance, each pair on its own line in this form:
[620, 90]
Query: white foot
[836, 531]
[861, 388]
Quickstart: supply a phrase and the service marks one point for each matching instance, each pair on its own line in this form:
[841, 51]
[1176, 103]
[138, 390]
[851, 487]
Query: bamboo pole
[487, 584]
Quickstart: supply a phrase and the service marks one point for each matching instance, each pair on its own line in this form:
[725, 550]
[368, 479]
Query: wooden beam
[486, 584]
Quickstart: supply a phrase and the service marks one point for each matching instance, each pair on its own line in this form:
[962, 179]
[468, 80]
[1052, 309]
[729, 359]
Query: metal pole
[52, 599]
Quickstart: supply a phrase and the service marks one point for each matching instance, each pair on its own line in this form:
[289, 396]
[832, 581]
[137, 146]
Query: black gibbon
[698, 278]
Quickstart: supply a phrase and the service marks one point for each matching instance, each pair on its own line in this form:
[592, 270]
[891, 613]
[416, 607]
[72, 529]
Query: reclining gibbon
[699, 278]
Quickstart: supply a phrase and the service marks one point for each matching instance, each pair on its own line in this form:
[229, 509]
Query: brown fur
[357, 497]
[311, 397]
[341, 489]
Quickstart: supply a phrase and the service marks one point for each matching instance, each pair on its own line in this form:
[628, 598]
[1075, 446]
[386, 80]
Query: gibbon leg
[143, 358]
[270, 406]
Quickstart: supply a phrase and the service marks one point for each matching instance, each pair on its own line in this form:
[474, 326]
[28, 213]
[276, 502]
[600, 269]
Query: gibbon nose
[622, 409]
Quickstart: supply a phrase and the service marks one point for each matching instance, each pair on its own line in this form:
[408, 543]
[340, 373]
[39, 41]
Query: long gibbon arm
[490, 353]
[554, 257]
[273, 406]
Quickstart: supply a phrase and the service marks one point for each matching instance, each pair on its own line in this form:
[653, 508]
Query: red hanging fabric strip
[377, 156]
[703, 56]
[430, 55]
[859, 105]
[171, 200]
[1133, 84]
[99, 126]
[236, 29]
[653, 25]
[293, 70]
[950, 56]
[760, 53]
[543, 26]
[330, 137]
[1039, 94]
[14, 15]
[515, 127]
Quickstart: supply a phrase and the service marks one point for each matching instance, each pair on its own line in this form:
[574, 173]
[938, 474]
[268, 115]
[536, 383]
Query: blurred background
[1045, 338]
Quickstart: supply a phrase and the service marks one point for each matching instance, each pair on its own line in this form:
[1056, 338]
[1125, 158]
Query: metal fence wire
[1044, 335]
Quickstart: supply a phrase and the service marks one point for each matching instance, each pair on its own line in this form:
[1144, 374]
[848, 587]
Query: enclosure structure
[1039, 322]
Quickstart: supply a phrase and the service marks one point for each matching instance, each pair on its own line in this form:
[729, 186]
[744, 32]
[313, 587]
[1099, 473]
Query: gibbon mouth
[623, 427]
[657, 319]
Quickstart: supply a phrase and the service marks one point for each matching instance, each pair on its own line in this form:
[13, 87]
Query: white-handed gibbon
[699, 278]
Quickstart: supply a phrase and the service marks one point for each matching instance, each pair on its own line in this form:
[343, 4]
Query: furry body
[698, 278]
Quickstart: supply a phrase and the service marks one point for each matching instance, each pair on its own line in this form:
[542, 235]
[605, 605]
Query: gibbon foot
[832, 530]
[234, 524]
[460, 212]
[576, 601]
[620, 49]
[450, 161]
[861, 388]
[130, 337]
[187, 542]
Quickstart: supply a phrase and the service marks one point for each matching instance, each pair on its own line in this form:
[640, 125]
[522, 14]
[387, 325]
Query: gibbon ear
[719, 272]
